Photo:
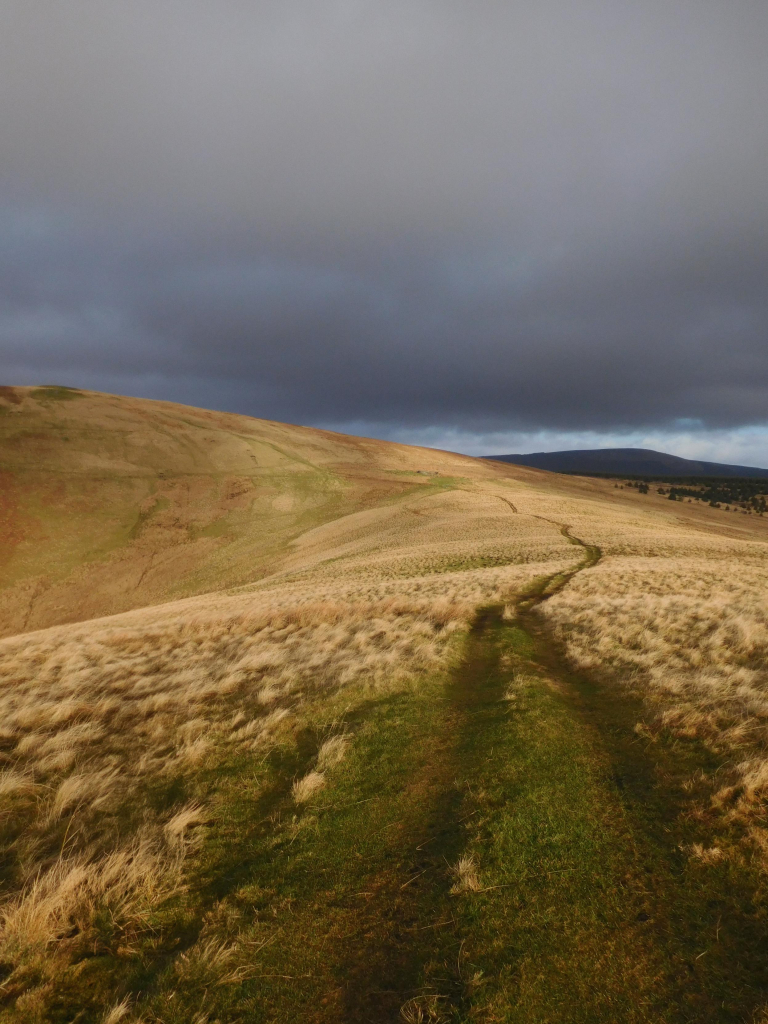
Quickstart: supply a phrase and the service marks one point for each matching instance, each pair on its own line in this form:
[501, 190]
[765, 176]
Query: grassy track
[585, 904]
[495, 847]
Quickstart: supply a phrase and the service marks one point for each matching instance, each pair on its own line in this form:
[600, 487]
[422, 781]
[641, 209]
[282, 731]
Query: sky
[488, 226]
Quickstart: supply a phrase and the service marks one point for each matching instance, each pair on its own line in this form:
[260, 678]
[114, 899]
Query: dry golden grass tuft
[332, 751]
[61, 900]
[305, 788]
[465, 875]
[430, 1009]
[118, 1012]
[706, 854]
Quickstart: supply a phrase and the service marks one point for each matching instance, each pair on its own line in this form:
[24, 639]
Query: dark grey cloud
[488, 216]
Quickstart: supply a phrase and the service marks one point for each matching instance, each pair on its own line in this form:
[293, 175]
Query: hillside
[377, 733]
[628, 462]
[110, 503]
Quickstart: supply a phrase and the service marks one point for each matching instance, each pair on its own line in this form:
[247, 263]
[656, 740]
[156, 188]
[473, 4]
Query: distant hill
[626, 462]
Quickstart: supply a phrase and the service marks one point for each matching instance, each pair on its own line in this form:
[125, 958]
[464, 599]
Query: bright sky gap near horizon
[487, 227]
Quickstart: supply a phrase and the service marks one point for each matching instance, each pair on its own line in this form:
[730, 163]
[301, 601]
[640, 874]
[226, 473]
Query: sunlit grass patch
[305, 788]
[465, 876]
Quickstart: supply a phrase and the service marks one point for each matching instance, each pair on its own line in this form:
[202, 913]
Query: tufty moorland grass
[368, 733]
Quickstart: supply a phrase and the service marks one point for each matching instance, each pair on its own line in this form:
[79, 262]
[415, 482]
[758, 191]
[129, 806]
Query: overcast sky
[488, 226]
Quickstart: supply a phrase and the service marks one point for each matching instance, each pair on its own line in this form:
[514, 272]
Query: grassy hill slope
[404, 736]
[110, 503]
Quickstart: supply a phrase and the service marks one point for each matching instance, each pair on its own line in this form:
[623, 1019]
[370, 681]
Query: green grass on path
[587, 910]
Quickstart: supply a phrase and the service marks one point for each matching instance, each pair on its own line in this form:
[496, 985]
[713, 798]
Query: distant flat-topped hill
[626, 462]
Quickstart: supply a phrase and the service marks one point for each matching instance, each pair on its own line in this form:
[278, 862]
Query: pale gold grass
[684, 618]
[304, 789]
[93, 712]
[332, 751]
[64, 897]
[465, 875]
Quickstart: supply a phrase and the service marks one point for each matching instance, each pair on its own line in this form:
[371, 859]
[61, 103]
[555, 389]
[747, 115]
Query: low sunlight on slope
[214, 617]
[109, 503]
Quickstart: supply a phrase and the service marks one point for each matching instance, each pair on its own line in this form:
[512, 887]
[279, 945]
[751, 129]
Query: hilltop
[629, 462]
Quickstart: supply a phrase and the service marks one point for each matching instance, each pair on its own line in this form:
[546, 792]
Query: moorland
[298, 726]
